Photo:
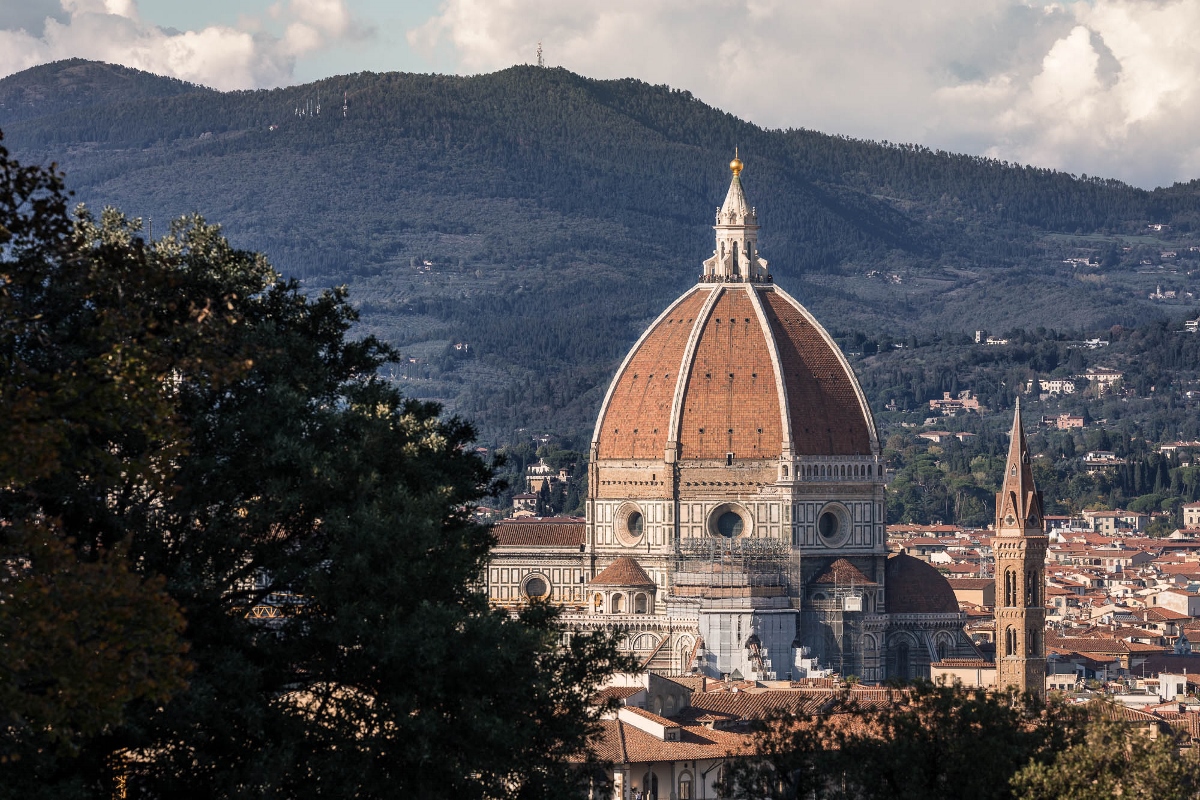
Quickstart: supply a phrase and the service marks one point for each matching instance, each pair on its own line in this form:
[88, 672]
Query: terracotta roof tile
[624, 571]
[842, 572]
[638, 415]
[553, 532]
[914, 587]
[827, 418]
[624, 744]
[731, 402]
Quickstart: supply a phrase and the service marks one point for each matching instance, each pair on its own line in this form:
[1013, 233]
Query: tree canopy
[238, 562]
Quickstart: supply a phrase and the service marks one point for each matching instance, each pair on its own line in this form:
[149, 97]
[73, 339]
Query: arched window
[1010, 641]
[1010, 588]
[1031, 588]
[639, 603]
[685, 786]
[618, 603]
[670, 706]
[943, 650]
[598, 603]
[785, 470]
[1031, 642]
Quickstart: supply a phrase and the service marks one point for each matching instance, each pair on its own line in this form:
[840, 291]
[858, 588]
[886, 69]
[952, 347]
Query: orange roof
[914, 587]
[730, 398]
[621, 743]
[842, 572]
[551, 532]
[624, 571]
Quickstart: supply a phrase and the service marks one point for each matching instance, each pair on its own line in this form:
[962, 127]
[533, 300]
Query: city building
[735, 509]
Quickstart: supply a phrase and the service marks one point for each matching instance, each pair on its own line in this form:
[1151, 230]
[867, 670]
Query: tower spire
[1019, 505]
[736, 255]
[1020, 548]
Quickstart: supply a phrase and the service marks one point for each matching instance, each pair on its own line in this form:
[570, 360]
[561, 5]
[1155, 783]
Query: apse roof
[914, 587]
[624, 571]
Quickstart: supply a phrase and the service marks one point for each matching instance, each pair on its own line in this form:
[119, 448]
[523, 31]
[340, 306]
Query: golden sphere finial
[735, 166]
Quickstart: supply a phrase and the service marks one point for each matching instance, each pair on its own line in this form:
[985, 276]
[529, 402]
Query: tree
[1113, 760]
[922, 741]
[240, 461]
[88, 334]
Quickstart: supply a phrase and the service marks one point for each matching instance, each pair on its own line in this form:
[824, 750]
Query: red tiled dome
[624, 572]
[734, 368]
[914, 587]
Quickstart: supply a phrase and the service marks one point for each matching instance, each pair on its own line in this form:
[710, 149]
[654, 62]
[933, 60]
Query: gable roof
[550, 532]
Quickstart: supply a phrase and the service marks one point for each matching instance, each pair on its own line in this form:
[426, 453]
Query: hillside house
[951, 406]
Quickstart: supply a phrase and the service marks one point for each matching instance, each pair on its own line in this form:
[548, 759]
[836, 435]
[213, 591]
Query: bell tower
[1020, 550]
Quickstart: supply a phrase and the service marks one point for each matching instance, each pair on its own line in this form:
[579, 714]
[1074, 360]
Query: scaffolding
[734, 563]
[832, 628]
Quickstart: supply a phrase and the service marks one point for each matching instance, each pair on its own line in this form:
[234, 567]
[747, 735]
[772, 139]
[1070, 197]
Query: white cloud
[1105, 87]
[224, 57]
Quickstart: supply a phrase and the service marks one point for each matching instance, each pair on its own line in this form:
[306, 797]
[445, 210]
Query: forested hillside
[538, 219]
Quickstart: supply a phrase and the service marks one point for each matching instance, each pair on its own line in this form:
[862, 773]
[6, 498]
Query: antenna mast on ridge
[541, 63]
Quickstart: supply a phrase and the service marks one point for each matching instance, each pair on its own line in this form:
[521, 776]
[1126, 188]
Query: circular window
[629, 524]
[730, 524]
[536, 588]
[833, 525]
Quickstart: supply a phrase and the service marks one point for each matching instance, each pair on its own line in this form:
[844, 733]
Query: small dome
[626, 573]
[914, 587]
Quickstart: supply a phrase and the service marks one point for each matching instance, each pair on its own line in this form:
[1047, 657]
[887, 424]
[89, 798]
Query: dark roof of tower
[624, 571]
[914, 587]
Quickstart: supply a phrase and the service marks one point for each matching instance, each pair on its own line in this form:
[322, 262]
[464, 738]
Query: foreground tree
[922, 741]
[1113, 760]
[311, 527]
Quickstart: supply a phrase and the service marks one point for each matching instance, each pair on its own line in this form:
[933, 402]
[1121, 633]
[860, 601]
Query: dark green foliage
[949, 741]
[1112, 760]
[245, 471]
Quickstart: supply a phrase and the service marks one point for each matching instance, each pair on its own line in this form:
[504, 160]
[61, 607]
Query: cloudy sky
[1097, 87]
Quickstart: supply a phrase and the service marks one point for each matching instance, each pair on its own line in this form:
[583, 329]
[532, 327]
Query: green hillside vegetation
[954, 481]
[543, 219]
[77, 83]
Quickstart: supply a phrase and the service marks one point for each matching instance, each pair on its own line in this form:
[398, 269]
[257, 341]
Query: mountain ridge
[558, 214]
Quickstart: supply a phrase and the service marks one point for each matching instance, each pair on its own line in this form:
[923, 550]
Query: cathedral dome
[914, 587]
[736, 368]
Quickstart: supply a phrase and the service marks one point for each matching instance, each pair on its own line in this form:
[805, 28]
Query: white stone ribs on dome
[612, 386]
[787, 447]
[872, 432]
[685, 373]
